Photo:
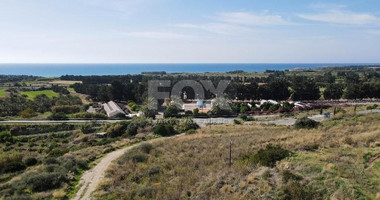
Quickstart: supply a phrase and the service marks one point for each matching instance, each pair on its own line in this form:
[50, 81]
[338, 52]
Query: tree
[351, 77]
[43, 103]
[333, 91]
[353, 91]
[304, 88]
[279, 89]
[116, 91]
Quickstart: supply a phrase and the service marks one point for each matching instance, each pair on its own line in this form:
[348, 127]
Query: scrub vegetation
[339, 159]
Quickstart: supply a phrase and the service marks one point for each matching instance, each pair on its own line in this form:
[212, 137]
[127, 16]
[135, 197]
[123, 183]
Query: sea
[55, 70]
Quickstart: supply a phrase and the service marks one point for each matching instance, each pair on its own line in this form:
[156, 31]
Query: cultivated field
[32, 94]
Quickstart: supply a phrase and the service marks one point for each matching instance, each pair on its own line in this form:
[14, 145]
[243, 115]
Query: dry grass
[196, 166]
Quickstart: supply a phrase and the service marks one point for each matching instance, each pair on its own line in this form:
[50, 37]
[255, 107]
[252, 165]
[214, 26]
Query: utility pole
[230, 163]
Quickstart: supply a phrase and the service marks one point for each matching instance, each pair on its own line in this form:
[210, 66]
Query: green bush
[86, 115]
[58, 116]
[49, 161]
[171, 111]
[137, 158]
[305, 122]
[266, 157]
[146, 148]
[154, 170]
[164, 130]
[14, 166]
[44, 181]
[132, 129]
[191, 131]
[372, 107]
[186, 124]
[28, 113]
[9, 157]
[236, 121]
[287, 176]
[67, 109]
[57, 152]
[30, 162]
[6, 136]
[293, 190]
[86, 128]
[244, 117]
[115, 130]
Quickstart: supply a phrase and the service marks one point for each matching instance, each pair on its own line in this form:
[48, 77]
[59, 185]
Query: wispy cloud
[232, 23]
[373, 32]
[159, 35]
[218, 28]
[245, 18]
[340, 16]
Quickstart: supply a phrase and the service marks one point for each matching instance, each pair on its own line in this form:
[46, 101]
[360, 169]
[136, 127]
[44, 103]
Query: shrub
[58, 116]
[164, 130]
[115, 130]
[244, 117]
[147, 192]
[146, 148]
[9, 157]
[5, 136]
[196, 112]
[28, 113]
[154, 170]
[305, 122]
[236, 121]
[86, 128]
[132, 129]
[57, 152]
[287, 175]
[14, 166]
[266, 157]
[67, 109]
[296, 191]
[372, 107]
[186, 124]
[86, 115]
[49, 161]
[136, 158]
[191, 131]
[348, 140]
[171, 111]
[30, 162]
[44, 181]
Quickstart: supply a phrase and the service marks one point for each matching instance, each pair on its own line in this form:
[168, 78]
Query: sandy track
[91, 178]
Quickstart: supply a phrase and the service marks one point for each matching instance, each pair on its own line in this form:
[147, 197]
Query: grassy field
[2, 93]
[33, 94]
[337, 160]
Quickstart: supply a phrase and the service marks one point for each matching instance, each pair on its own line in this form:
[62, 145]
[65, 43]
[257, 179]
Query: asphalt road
[291, 121]
[200, 122]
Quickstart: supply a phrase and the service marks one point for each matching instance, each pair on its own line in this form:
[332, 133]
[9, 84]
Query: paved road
[199, 121]
[291, 121]
[204, 122]
[56, 122]
[91, 178]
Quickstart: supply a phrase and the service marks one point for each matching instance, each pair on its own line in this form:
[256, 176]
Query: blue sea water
[54, 70]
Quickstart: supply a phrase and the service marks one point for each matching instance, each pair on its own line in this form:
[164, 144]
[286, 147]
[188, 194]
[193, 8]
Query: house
[112, 109]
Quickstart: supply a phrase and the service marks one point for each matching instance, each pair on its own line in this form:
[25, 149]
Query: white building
[112, 109]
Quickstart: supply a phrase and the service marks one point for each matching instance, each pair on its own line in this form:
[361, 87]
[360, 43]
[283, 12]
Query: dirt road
[91, 178]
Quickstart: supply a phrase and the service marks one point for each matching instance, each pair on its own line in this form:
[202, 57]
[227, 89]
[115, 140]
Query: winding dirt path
[91, 178]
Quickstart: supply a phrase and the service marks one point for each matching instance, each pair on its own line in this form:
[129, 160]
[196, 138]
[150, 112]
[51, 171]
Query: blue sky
[196, 31]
